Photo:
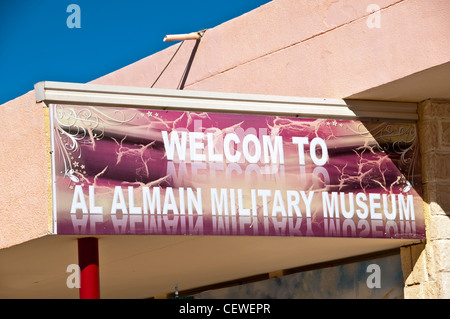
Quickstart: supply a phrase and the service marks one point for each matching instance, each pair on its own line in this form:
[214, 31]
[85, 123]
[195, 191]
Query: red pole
[88, 262]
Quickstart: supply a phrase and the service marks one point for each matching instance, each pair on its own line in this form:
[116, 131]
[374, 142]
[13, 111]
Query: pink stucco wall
[24, 190]
[305, 48]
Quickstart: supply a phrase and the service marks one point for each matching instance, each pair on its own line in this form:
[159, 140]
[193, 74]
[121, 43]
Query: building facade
[393, 55]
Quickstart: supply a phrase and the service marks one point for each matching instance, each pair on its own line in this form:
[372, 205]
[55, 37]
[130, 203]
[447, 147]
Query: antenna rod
[182, 37]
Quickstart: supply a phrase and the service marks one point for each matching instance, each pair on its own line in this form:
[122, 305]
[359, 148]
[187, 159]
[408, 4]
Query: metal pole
[89, 272]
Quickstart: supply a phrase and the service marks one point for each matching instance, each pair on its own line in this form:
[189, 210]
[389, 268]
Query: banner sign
[140, 171]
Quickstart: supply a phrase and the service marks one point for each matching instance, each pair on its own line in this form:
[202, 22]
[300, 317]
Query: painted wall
[304, 48]
[24, 166]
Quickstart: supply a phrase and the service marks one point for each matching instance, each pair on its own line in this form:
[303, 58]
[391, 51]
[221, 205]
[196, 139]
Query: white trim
[166, 99]
[52, 145]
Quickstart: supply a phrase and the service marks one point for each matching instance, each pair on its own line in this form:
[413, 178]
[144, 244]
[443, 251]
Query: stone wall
[426, 267]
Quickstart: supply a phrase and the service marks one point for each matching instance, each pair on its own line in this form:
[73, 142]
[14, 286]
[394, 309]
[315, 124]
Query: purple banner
[134, 171]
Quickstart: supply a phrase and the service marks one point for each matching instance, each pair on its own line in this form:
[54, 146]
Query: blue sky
[37, 45]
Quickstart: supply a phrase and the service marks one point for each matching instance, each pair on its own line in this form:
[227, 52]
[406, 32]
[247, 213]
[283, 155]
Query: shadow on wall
[187, 69]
